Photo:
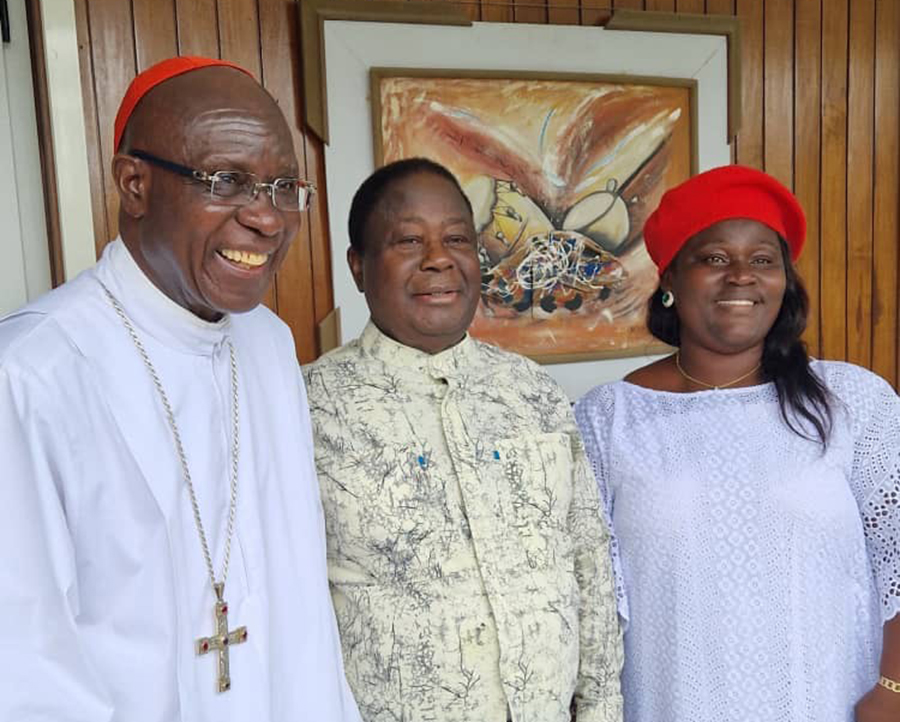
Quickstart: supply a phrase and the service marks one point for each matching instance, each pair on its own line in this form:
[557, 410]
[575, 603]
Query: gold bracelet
[889, 684]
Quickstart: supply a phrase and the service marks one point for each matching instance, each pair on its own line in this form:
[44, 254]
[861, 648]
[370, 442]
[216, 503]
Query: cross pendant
[222, 639]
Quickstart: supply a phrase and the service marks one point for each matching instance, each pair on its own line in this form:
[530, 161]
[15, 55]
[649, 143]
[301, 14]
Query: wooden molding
[328, 332]
[727, 25]
[45, 140]
[314, 13]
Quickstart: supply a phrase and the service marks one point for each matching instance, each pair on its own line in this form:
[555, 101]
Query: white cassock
[103, 585]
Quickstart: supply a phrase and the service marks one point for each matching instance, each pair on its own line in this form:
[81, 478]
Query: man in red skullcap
[164, 556]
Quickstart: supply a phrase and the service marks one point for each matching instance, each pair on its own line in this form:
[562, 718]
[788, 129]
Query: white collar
[154, 313]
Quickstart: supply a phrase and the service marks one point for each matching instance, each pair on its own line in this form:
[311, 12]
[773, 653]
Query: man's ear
[132, 181]
[355, 261]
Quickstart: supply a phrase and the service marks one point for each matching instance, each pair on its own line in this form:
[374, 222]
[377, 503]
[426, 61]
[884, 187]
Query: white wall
[25, 270]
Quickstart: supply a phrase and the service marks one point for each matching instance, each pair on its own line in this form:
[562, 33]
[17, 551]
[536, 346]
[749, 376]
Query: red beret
[732, 191]
[155, 75]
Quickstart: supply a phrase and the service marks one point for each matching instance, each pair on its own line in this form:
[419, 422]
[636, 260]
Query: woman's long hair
[802, 396]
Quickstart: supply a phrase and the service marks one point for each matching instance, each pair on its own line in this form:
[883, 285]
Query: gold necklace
[713, 386]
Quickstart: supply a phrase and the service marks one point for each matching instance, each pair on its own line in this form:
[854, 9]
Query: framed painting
[345, 41]
[561, 171]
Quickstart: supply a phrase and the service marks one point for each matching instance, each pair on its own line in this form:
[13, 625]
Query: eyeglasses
[237, 188]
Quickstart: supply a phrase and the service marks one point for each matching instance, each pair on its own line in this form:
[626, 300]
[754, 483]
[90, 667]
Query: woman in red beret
[754, 493]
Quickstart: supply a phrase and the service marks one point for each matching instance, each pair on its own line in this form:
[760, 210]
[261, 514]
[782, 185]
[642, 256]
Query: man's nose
[436, 257]
[261, 214]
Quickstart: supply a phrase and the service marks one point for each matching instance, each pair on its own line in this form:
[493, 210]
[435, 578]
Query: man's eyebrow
[420, 219]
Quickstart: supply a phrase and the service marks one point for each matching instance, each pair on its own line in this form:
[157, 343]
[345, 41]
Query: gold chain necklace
[223, 638]
[713, 386]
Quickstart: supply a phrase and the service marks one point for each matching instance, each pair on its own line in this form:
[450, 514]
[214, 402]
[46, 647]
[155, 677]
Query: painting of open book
[561, 173]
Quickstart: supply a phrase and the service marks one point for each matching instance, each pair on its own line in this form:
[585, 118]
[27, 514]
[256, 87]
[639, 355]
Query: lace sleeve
[875, 480]
[594, 413]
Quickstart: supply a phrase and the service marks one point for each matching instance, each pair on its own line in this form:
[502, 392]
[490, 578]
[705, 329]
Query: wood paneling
[45, 135]
[749, 145]
[886, 304]
[236, 17]
[778, 90]
[529, 11]
[155, 36]
[493, 12]
[860, 163]
[720, 7]
[690, 6]
[833, 218]
[113, 65]
[821, 112]
[562, 12]
[807, 161]
[295, 300]
[198, 27]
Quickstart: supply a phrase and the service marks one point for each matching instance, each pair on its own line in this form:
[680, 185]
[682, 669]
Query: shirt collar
[154, 313]
[448, 362]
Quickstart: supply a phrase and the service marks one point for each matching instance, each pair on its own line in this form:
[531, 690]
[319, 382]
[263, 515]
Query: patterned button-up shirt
[467, 555]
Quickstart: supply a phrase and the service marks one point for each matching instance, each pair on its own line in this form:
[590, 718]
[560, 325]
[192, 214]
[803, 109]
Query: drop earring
[668, 299]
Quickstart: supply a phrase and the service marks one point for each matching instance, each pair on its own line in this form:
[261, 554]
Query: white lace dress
[754, 571]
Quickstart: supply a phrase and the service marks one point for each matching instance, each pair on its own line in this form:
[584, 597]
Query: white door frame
[69, 135]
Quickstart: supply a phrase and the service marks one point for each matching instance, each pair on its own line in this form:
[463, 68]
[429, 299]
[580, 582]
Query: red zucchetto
[155, 75]
[720, 194]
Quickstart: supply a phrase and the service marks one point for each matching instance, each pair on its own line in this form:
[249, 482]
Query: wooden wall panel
[821, 111]
[690, 6]
[594, 13]
[492, 12]
[562, 12]
[749, 146]
[833, 299]
[92, 130]
[236, 43]
[807, 138]
[529, 11]
[279, 28]
[198, 27]
[720, 7]
[112, 44]
[155, 34]
[778, 90]
[628, 4]
[860, 162]
[886, 305]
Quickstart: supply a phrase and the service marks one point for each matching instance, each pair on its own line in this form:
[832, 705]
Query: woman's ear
[665, 280]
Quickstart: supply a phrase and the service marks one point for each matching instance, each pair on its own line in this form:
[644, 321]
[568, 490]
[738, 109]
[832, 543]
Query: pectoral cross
[222, 639]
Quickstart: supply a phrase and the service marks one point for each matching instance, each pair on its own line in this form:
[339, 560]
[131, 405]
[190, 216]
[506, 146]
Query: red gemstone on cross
[224, 609]
[244, 635]
[225, 641]
[205, 646]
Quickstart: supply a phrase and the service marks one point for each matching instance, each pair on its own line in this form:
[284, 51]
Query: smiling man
[163, 555]
[467, 556]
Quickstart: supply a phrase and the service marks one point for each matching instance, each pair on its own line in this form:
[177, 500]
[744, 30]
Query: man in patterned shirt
[467, 557]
